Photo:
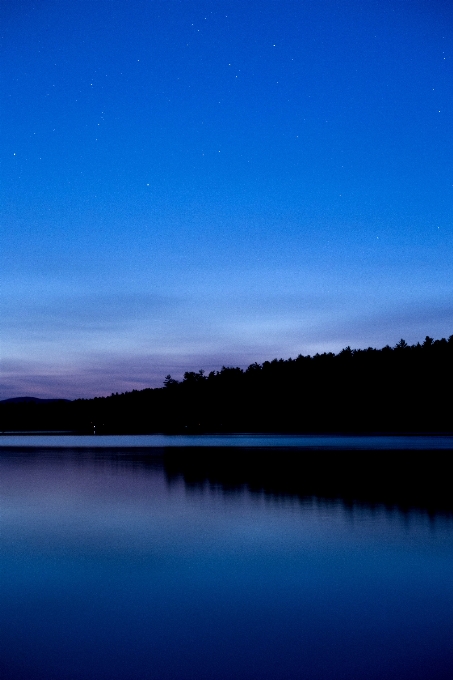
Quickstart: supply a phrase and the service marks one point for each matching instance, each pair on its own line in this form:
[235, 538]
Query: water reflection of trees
[405, 481]
[395, 479]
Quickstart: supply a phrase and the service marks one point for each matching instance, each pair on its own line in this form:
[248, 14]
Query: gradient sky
[189, 184]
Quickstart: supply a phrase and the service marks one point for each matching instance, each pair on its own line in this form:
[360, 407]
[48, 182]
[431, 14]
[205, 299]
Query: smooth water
[118, 567]
[310, 441]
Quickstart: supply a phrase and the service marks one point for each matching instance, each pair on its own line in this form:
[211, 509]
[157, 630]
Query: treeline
[400, 388]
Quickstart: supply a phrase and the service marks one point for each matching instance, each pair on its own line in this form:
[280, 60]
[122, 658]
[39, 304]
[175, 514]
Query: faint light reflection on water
[113, 567]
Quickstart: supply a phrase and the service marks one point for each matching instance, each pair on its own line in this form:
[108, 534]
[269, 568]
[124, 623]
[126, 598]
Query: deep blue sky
[191, 184]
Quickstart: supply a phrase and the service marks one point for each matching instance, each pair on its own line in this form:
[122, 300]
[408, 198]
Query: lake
[306, 441]
[271, 561]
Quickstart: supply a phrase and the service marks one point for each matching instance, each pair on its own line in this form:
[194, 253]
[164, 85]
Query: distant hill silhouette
[400, 388]
[30, 400]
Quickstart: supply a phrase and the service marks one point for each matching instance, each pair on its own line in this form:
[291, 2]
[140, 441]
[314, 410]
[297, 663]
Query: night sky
[190, 184]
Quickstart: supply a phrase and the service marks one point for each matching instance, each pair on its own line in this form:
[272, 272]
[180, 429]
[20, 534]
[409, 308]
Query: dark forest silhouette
[400, 388]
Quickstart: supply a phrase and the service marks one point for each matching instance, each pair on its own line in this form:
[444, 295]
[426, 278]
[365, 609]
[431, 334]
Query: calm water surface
[314, 441]
[114, 568]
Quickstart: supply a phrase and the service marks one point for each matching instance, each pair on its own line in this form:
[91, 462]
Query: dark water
[119, 564]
